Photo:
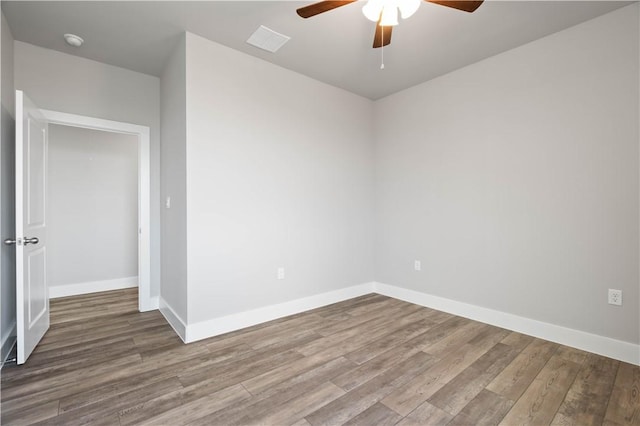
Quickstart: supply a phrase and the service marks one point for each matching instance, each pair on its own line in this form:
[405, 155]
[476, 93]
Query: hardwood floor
[372, 360]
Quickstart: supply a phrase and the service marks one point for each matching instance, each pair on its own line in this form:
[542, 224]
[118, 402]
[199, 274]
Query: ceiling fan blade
[321, 7]
[378, 40]
[467, 6]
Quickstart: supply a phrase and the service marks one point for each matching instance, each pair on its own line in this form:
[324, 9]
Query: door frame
[145, 301]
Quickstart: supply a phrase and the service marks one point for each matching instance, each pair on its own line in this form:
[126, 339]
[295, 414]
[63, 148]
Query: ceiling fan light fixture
[386, 11]
[408, 7]
[373, 9]
[389, 17]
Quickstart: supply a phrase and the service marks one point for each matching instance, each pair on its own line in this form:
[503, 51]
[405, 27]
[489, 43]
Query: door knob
[33, 240]
[10, 241]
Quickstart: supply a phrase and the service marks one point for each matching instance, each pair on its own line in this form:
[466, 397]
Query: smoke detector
[73, 40]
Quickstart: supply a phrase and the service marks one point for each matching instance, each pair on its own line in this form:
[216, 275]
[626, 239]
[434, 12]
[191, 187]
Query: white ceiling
[334, 47]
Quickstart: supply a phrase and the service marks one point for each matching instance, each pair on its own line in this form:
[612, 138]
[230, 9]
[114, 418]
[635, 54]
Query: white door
[32, 294]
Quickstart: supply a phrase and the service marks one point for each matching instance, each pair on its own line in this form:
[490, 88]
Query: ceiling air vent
[267, 39]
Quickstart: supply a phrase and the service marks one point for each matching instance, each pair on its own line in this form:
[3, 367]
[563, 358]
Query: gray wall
[515, 180]
[7, 194]
[174, 183]
[279, 174]
[66, 83]
[92, 214]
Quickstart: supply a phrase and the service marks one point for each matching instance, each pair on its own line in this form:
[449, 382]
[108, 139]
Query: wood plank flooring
[371, 360]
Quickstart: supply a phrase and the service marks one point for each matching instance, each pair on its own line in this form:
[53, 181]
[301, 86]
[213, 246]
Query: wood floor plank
[260, 383]
[254, 363]
[347, 305]
[455, 340]
[390, 308]
[280, 393]
[79, 401]
[377, 414]
[140, 410]
[369, 334]
[373, 304]
[265, 334]
[389, 341]
[102, 337]
[311, 378]
[252, 368]
[153, 372]
[361, 398]
[457, 393]
[368, 330]
[540, 402]
[106, 420]
[199, 408]
[426, 414]
[517, 376]
[28, 388]
[99, 409]
[296, 408]
[572, 354]
[517, 340]
[141, 372]
[624, 403]
[586, 400]
[369, 360]
[40, 368]
[407, 398]
[487, 408]
[390, 358]
[31, 415]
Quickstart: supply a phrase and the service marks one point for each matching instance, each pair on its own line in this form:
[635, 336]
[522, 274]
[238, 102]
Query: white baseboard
[174, 320]
[617, 349]
[221, 325]
[91, 287]
[150, 304]
[7, 343]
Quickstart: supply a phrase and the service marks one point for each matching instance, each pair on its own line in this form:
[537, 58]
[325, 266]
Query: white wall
[515, 180]
[279, 173]
[7, 194]
[92, 215]
[66, 83]
[7, 90]
[174, 183]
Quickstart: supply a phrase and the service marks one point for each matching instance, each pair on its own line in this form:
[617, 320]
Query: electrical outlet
[281, 273]
[615, 297]
[417, 265]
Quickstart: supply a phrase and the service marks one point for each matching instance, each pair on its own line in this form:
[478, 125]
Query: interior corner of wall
[174, 320]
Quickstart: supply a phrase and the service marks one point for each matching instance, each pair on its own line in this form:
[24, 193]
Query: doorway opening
[123, 133]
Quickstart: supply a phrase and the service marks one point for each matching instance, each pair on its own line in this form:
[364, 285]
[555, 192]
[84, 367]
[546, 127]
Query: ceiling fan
[385, 12]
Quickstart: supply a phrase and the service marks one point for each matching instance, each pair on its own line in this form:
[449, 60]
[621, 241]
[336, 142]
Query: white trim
[74, 289]
[214, 327]
[174, 320]
[154, 302]
[19, 222]
[617, 349]
[145, 300]
[7, 344]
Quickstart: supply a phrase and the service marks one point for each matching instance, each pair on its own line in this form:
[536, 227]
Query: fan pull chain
[382, 48]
